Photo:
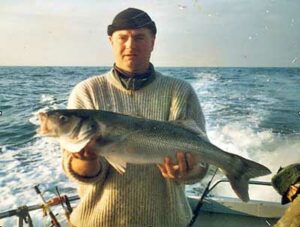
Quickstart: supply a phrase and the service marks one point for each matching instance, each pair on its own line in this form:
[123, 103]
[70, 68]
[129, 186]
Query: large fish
[127, 139]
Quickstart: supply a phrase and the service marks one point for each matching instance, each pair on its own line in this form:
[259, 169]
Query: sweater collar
[134, 82]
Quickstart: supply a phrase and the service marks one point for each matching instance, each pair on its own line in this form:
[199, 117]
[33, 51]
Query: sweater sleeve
[99, 178]
[189, 108]
[194, 112]
[81, 98]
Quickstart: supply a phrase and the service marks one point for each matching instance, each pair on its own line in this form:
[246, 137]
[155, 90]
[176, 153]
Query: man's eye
[140, 37]
[122, 38]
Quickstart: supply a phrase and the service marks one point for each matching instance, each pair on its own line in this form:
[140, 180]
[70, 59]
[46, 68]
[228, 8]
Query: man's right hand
[87, 153]
[86, 163]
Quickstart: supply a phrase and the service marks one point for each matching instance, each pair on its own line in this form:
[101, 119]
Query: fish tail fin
[240, 173]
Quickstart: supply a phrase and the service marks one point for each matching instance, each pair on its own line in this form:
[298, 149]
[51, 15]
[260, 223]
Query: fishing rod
[208, 189]
[52, 216]
[67, 206]
[200, 203]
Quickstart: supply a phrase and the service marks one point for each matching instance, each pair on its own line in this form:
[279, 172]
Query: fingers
[171, 170]
[186, 162]
[168, 169]
[190, 160]
[78, 155]
[182, 162]
[163, 170]
[85, 154]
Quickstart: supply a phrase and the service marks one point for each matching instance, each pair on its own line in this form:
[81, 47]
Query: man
[287, 183]
[146, 195]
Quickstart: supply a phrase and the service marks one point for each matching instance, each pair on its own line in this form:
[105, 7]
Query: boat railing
[251, 182]
[211, 209]
[22, 212]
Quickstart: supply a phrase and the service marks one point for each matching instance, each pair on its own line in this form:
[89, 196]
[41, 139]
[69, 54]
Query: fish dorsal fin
[190, 125]
[73, 147]
[117, 163]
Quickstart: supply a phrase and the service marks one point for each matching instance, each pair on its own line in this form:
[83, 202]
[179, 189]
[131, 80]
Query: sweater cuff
[84, 179]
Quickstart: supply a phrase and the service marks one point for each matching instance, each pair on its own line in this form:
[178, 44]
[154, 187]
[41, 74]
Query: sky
[201, 33]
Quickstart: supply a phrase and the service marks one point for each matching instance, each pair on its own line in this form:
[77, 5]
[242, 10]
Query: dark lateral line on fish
[186, 161]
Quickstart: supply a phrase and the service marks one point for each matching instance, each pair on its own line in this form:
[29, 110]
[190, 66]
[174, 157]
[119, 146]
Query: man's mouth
[130, 55]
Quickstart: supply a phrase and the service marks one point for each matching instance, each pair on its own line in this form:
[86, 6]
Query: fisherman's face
[132, 49]
[293, 191]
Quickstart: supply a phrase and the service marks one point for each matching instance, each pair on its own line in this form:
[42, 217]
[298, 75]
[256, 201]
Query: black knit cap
[285, 177]
[131, 18]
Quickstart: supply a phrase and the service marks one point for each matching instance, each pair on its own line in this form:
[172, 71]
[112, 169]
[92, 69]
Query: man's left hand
[185, 163]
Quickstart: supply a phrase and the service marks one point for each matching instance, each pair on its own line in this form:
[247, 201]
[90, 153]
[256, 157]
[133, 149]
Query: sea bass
[127, 139]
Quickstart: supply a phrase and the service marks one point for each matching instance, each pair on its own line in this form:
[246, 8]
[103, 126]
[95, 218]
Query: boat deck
[230, 212]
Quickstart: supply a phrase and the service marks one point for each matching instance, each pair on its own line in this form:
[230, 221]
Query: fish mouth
[43, 129]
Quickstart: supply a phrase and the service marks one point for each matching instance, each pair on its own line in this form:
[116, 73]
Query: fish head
[65, 124]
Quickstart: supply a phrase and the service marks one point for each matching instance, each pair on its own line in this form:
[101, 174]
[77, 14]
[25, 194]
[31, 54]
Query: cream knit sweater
[140, 197]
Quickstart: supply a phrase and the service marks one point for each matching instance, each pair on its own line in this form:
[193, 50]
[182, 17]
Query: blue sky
[190, 33]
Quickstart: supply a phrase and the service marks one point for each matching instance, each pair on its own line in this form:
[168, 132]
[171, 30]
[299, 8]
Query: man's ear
[153, 42]
[110, 39]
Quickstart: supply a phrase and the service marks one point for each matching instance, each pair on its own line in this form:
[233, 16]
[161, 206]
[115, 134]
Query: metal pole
[14, 212]
[52, 216]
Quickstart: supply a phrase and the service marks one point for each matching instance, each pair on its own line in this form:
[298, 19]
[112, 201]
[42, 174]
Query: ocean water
[253, 112]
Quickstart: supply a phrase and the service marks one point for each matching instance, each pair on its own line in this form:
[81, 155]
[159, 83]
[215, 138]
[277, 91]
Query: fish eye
[63, 118]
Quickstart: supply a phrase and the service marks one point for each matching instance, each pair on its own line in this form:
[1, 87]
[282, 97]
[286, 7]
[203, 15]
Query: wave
[268, 148]
[21, 169]
[38, 163]
[250, 112]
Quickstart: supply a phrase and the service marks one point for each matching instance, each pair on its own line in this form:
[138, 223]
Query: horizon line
[157, 66]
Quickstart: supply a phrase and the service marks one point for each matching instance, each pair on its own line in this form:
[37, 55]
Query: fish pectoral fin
[73, 147]
[117, 163]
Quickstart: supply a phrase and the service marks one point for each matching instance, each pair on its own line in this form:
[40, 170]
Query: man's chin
[133, 68]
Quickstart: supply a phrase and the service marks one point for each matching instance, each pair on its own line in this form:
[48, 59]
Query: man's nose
[130, 43]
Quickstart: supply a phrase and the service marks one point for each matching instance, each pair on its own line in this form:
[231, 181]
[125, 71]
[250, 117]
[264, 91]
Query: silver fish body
[127, 139]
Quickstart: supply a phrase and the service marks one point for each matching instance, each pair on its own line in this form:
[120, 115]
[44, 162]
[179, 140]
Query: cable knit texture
[291, 217]
[141, 196]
